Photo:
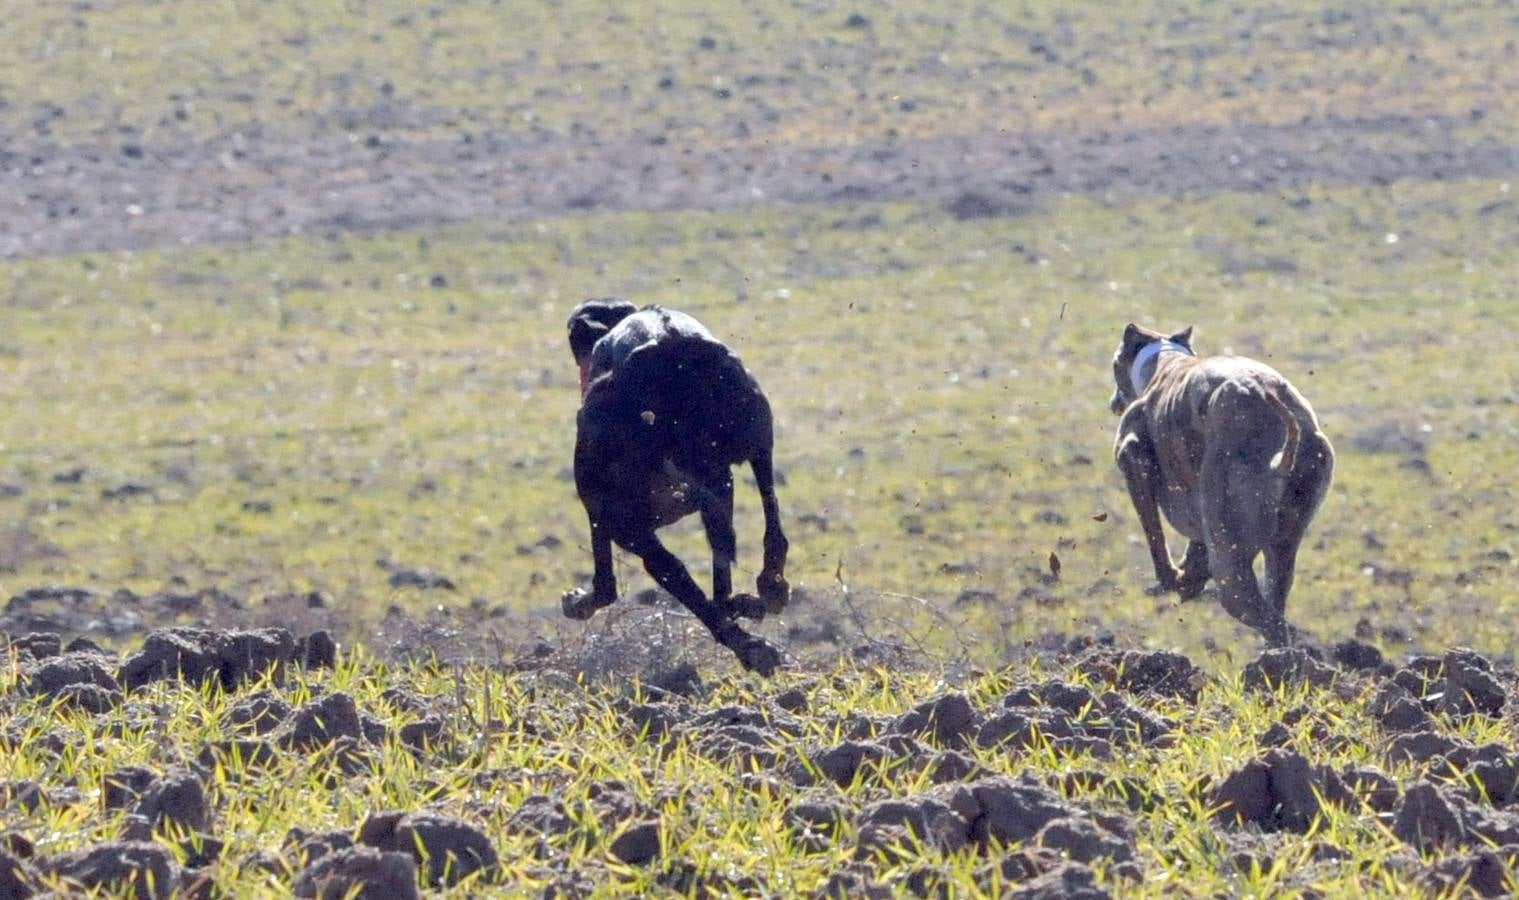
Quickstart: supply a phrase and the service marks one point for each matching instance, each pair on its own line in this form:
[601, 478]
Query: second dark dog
[666, 412]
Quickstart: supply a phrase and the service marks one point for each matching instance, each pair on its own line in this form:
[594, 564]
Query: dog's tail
[1288, 455]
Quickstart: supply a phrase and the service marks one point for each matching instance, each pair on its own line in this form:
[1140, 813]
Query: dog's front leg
[579, 603]
[1136, 459]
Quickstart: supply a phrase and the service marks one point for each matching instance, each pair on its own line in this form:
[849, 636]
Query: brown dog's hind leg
[1307, 484]
[774, 589]
[1231, 555]
[753, 653]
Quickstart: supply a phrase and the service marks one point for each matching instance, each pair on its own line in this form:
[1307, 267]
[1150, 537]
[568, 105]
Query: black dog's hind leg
[752, 652]
[774, 589]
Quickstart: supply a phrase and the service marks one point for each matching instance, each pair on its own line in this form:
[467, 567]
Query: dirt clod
[1356, 656]
[1280, 791]
[1161, 672]
[50, 676]
[359, 873]
[1486, 872]
[842, 763]
[447, 849]
[1072, 881]
[148, 869]
[1084, 841]
[948, 720]
[322, 722]
[17, 877]
[125, 786]
[1429, 817]
[258, 713]
[1287, 667]
[176, 797]
[638, 844]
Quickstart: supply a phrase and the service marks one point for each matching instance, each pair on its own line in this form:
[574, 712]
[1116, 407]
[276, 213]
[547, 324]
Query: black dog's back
[663, 388]
[685, 399]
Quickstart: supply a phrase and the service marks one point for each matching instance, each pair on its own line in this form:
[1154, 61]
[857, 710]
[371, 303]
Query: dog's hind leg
[1231, 486]
[774, 590]
[753, 653]
[1306, 487]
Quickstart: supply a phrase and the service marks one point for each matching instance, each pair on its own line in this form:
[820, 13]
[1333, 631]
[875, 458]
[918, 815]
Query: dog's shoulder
[648, 327]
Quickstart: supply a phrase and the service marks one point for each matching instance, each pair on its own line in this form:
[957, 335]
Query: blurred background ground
[284, 292]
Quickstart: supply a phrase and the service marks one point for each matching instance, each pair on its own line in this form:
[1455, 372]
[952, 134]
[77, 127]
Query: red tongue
[585, 376]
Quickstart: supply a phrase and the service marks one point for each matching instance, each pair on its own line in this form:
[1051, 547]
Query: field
[284, 291]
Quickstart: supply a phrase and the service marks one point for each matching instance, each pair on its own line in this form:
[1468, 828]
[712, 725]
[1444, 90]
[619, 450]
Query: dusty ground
[77, 199]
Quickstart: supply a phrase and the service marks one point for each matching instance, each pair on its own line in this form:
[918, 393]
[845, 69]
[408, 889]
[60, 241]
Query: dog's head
[1135, 339]
[588, 323]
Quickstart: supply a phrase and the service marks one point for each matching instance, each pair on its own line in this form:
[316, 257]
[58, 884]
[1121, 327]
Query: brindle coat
[1233, 455]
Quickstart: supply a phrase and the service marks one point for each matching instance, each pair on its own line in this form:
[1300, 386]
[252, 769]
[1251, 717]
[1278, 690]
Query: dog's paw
[747, 606]
[774, 592]
[1191, 588]
[580, 603]
[757, 655]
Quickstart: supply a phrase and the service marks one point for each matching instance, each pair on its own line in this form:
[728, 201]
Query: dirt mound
[990, 812]
[1281, 791]
[359, 873]
[446, 850]
[948, 720]
[146, 869]
[17, 877]
[1160, 673]
[322, 722]
[1487, 872]
[1282, 667]
[1429, 817]
[1460, 683]
[1070, 718]
[233, 657]
[176, 797]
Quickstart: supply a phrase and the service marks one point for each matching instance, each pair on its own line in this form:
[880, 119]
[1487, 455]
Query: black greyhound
[666, 412]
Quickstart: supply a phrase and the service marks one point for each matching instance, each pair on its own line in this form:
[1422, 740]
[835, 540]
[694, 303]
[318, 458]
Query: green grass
[791, 73]
[516, 736]
[942, 424]
[301, 409]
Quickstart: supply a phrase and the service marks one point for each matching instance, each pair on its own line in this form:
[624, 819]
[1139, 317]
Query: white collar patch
[1145, 356]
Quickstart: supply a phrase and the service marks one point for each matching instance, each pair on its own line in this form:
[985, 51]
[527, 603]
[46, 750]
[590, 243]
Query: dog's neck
[1148, 357]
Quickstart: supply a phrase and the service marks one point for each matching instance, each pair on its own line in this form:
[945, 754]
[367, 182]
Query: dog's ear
[1184, 337]
[594, 318]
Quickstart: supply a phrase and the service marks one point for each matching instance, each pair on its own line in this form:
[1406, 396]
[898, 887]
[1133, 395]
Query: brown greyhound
[666, 412]
[1233, 455]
